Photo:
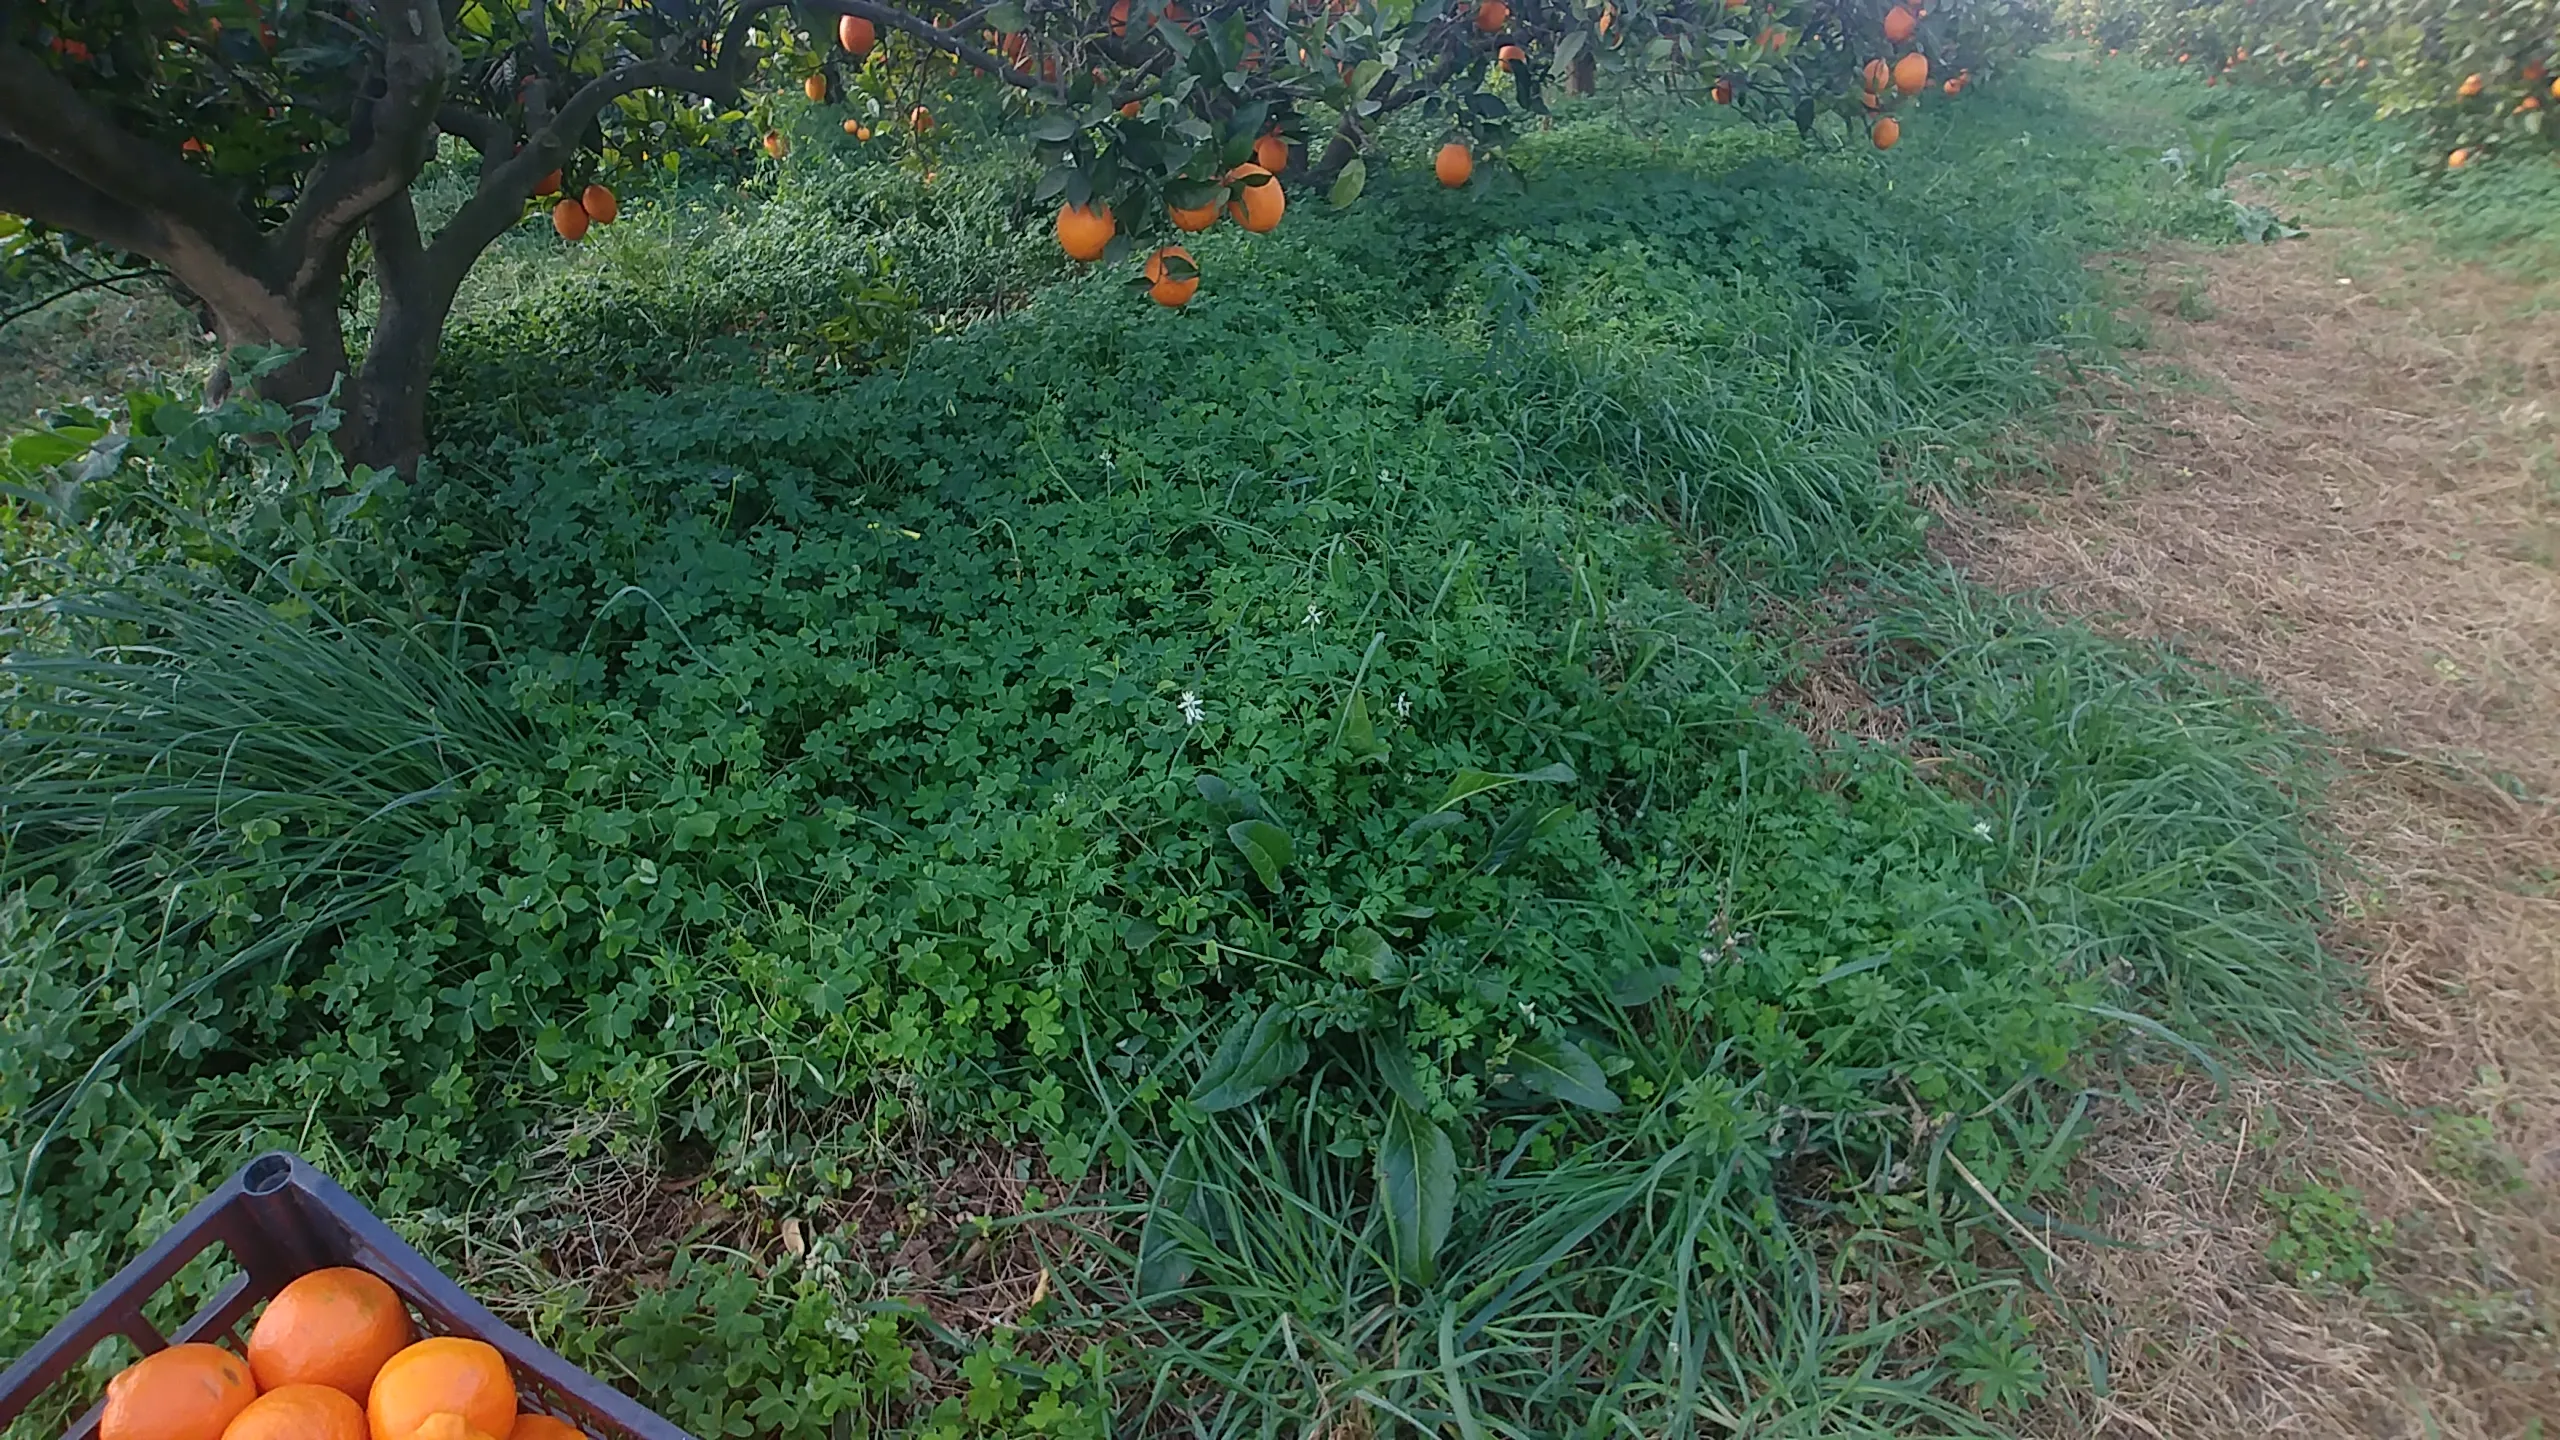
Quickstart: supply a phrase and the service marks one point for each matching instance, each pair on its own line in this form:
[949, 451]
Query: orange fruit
[335, 1327]
[570, 220]
[1196, 219]
[1257, 207]
[2555, 89]
[186, 1392]
[919, 119]
[1953, 87]
[2457, 159]
[1511, 57]
[1911, 73]
[1271, 152]
[547, 185]
[1166, 287]
[1900, 24]
[1877, 75]
[2471, 85]
[1492, 15]
[1722, 91]
[851, 126]
[776, 144]
[439, 1376]
[604, 209]
[1083, 231]
[534, 1425]
[815, 87]
[1888, 133]
[1455, 165]
[856, 35]
[1130, 109]
[299, 1412]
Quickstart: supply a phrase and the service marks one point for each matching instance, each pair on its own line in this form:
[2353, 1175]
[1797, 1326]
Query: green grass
[886, 696]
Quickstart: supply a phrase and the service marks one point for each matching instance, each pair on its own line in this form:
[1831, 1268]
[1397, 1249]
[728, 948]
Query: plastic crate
[280, 1218]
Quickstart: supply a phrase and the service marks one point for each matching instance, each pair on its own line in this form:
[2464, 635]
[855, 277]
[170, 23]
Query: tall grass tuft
[192, 783]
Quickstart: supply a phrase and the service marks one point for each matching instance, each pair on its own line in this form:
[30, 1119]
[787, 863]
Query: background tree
[262, 152]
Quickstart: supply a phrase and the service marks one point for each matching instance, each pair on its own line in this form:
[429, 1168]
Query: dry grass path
[2333, 472]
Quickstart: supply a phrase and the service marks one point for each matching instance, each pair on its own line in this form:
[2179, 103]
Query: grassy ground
[1425, 845]
[2332, 471]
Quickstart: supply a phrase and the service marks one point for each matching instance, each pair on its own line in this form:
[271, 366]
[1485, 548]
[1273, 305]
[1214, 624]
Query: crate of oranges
[333, 1329]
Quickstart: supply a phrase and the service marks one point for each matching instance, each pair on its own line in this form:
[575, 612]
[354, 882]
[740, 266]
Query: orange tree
[261, 152]
[2477, 74]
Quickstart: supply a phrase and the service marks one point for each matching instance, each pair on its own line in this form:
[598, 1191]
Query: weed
[2323, 1236]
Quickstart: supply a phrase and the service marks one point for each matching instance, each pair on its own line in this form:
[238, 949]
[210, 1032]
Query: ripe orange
[1911, 73]
[1271, 152]
[534, 1425]
[547, 185]
[1899, 25]
[1257, 207]
[1953, 87]
[2457, 159]
[1455, 165]
[570, 220]
[2471, 85]
[1084, 231]
[1888, 133]
[1195, 219]
[1722, 92]
[1129, 109]
[1511, 57]
[299, 1412]
[2182, 59]
[851, 126]
[1172, 286]
[815, 87]
[856, 35]
[1492, 15]
[2555, 89]
[776, 144]
[919, 119]
[186, 1392]
[439, 1376]
[604, 209]
[1877, 75]
[335, 1327]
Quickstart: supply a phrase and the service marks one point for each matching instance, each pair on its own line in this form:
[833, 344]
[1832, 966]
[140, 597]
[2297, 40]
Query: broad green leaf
[1164, 1264]
[1364, 76]
[1376, 958]
[1644, 986]
[1418, 1183]
[1436, 820]
[1255, 1055]
[1348, 185]
[1397, 1069]
[1467, 784]
[1570, 46]
[1054, 129]
[1526, 824]
[1562, 1070]
[1008, 18]
[1266, 848]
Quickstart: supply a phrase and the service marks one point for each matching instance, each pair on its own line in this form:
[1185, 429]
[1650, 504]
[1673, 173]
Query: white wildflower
[1404, 706]
[1982, 831]
[1193, 712]
[1315, 617]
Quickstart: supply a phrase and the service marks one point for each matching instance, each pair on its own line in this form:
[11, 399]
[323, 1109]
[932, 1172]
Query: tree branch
[49, 119]
[94, 282]
[947, 41]
[393, 138]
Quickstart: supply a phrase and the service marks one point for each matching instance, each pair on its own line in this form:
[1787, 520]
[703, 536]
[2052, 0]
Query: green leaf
[1644, 986]
[1359, 736]
[1255, 1055]
[1418, 1183]
[1467, 784]
[1562, 1070]
[1164, 1265]
[1008, 18]
[1570, 46]
[1396, 1067]
[1266, 848]
[1054, 129]
[1526, 824]
[1370, 951]
[1348, 185]
[1364, 76]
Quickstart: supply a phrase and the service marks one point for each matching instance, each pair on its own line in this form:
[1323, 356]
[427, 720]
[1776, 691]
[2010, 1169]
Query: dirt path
[2335, 475]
